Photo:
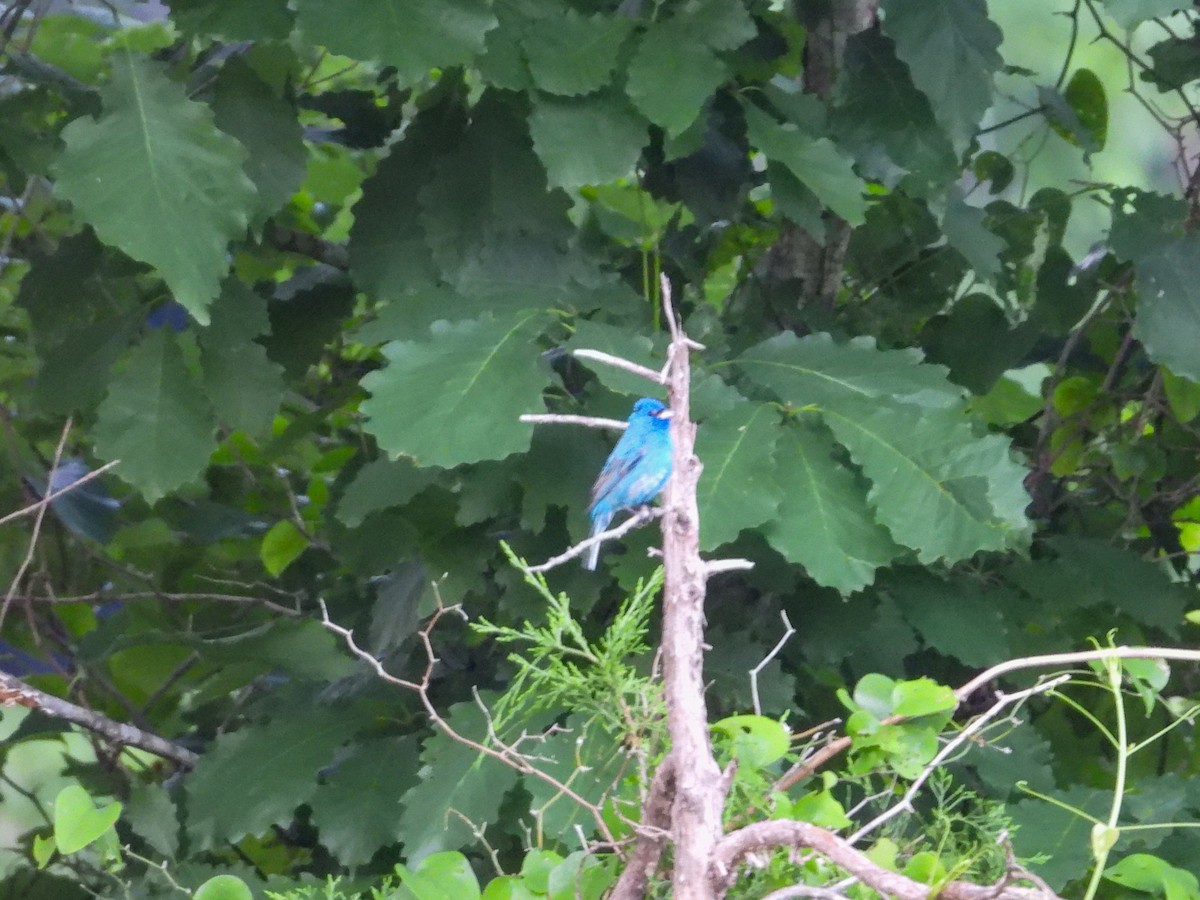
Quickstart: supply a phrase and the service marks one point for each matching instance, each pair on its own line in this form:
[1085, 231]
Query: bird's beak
[665, 414]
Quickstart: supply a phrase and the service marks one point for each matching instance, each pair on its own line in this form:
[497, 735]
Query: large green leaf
[266, 125]
[736, 488]
[263, 19]
[357, 808]
[825, 523]
[966, 233]
[672, 75]
[155, 419]
[389, 256]
[1168, 320]
[618, 136]
[459, 789]
[814, 161]
[939, 488]
[950, 47]
[455, 397]
[492, 226]
[254, 778]
[816, 370]
[1131, 13]
[244, 386]
[877, 108]
[570, 53]
[414, 36]
[155, 178]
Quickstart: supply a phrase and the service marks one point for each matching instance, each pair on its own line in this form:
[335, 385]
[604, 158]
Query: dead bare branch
[15, 692]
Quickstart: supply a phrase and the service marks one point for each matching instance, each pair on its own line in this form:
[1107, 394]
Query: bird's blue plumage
[636, 470]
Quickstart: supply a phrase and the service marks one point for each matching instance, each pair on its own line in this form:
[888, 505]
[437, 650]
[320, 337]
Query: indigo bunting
[636, 470]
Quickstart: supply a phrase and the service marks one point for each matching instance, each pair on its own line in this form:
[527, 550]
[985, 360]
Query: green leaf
[816, 370]
[1168, 319]
[155, 178]
[456, 397]
[509, 887]
[570, 53]
[389, 256]
[736, 488]
[451, 873]
[817, 163]
[965, 230]
[937, 487]
[77, 820]
[1143, 223]
[579, 877]
[261, 20]
[874, 693]
[155, 419]
[42, 850]
[955, 617]
[253, 778]
[281, 546]
[976, 341]
[756, 740]
[536, 868]
[617, 136]
[223, 887]
[1086, 98]
[245, 387]
[245, 107]
[950, 47]
[824, 521]
[494, 228]
[1131, 13]
[1144, 872]
[1176, 63]
[922, 697]
[596, 783]
[879, 108]
[379, 485]
[672, 75]
[458, 788]
[1182, 394]
[414, 36]
[820, 808]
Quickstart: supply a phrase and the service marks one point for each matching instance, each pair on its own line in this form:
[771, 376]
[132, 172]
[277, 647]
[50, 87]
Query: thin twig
[55, 494]
[804, 769]
[638, 519]
[717, 566]
[41, 506]
[564, 419]
[787, 635]
[975, 725]
[105, 597]
[506, 754]
[618, 362]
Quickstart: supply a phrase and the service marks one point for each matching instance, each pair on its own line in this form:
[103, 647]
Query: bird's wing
[624, 458]
[615, 471]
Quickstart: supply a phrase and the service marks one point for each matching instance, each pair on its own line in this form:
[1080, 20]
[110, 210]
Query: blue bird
[636, 470]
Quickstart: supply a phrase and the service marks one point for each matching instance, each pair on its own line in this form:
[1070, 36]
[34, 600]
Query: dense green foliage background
[299, 266]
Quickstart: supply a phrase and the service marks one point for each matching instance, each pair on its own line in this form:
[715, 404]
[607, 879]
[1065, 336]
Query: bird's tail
[599, 523]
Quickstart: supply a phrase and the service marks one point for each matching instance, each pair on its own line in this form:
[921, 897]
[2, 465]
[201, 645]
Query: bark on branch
[15, 692]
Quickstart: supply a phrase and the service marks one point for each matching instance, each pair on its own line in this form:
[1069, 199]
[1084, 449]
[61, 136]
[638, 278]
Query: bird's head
[649, 408]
